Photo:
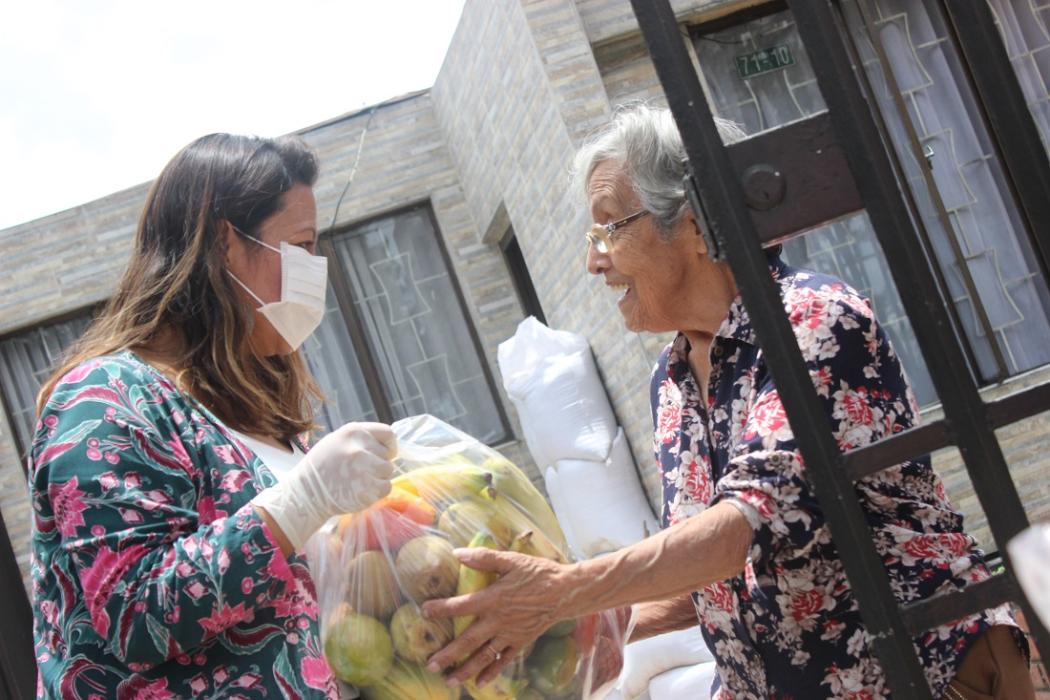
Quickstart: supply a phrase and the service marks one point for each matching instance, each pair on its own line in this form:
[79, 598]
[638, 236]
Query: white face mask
[304, 281]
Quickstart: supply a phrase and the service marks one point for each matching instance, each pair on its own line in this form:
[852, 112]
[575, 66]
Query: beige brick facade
[488, 146]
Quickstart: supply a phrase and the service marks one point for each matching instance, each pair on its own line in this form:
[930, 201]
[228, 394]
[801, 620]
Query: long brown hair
[176, 281]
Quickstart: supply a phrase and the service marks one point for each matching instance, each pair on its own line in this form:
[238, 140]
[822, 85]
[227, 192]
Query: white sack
[1030, 555]
[551, 379]
[693, 682]
[601, 503]
[644, 660]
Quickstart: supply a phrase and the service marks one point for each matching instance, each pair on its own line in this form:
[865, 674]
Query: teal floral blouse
[152, 577]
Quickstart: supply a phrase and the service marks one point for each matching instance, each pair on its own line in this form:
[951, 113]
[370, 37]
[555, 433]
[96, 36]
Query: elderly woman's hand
[531, 595]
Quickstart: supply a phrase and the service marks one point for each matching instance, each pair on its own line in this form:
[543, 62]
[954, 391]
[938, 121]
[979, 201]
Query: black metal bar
[1024, 155]
[935, 612]
[811, 170]
[17, 660]
[1019, 405]
[901, 447]
[730, 225]
[850, 113]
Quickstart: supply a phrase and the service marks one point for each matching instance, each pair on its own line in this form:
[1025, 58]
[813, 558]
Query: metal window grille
[969, 423]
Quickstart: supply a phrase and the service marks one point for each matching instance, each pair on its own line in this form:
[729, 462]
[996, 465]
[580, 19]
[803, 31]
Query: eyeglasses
[600, 235]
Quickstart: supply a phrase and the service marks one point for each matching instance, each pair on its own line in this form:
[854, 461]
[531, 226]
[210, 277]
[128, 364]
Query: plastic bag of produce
[375, 568]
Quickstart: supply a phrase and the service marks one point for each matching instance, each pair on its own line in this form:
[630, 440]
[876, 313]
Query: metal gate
[844, 156]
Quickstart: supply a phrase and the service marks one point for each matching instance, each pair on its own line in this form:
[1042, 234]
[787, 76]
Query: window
[519, 273]
[396, 340]
[783, 94]
[1025, 28]
[946, 155]
[26, 360]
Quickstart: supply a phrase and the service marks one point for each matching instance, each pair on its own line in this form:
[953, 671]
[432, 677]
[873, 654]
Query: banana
[504, 687]
[509, 514]
[471, 580]
[512, 483]
[536, 544]
[444, 483]
[462, 519]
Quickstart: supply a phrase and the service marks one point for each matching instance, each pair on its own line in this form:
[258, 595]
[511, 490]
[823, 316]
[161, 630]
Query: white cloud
[99, 95]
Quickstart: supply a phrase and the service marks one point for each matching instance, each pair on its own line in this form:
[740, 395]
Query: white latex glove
[346, 471]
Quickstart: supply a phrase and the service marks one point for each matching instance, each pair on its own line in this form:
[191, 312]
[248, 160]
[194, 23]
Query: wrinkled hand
[529, 597]
[346, 471]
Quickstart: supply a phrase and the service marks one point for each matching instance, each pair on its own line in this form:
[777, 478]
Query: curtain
[990, 242]
[1025, 28]
[984, 240]
[415, 324]
[332, 359]
[847, 249]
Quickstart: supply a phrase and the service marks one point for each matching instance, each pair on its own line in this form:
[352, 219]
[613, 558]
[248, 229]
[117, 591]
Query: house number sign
[764, 61]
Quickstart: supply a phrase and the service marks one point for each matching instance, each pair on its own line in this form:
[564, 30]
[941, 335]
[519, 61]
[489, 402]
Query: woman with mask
[164, 546]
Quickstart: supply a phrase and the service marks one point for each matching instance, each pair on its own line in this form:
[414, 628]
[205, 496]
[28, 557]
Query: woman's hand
[346, 471]
[531, 595]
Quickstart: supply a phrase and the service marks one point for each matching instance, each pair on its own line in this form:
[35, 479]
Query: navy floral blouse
[789, 627]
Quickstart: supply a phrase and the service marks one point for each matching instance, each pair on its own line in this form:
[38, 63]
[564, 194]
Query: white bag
[551, 379]
[600, 505]
[645, 660]
[1030, 554]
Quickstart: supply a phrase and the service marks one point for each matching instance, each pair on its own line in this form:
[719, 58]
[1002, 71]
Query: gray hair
[646, 142]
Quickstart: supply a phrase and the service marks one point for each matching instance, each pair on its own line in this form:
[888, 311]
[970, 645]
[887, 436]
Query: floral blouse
[789, 626]
[152, 577]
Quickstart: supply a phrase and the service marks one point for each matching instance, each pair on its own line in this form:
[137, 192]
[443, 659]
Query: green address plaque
[764, 61]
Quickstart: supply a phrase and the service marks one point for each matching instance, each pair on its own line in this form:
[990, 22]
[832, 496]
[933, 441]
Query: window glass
[333, 361]
[776, 87]
[415, 325]
[960, 189]
[1025, 28]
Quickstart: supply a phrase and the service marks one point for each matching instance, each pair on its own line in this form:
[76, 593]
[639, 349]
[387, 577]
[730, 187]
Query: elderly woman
[745, 548]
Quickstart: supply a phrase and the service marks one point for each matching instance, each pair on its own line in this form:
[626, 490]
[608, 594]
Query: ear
[691, 228]
[232, 245]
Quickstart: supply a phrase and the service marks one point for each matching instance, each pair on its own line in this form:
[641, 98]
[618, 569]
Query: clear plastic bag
[374, 569]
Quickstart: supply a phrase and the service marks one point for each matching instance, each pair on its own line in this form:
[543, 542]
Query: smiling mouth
[623, 288]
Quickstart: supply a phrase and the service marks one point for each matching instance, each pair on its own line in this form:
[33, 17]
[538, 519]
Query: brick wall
[628, 75]
[519, 91]
[1024, 447]
[69, 260]
[405, 160]
[55, 265]
[522, 85]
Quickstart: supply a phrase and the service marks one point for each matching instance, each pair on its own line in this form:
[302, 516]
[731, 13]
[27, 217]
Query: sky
[97, 95]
